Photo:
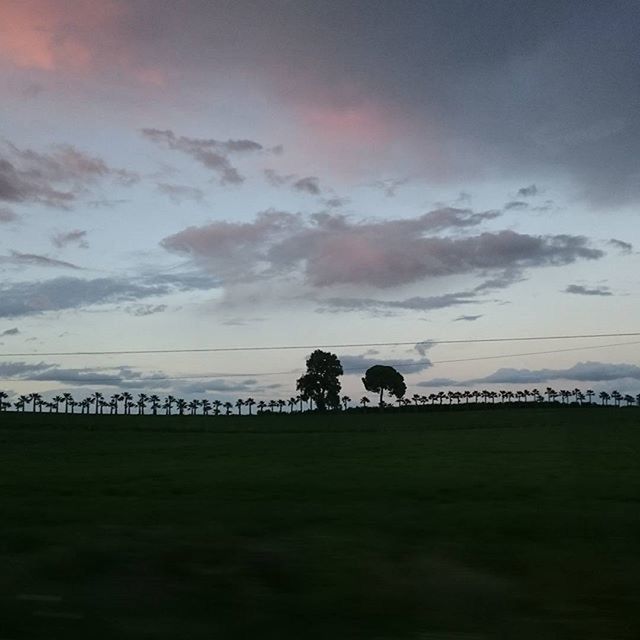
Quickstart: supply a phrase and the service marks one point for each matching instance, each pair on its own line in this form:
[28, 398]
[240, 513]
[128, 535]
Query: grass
[514, 523]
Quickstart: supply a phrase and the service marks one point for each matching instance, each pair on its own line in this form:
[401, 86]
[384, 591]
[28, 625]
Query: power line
[151, 379]
[316, 346]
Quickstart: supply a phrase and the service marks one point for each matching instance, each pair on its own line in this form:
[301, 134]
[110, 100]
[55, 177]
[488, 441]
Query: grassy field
[514, 523]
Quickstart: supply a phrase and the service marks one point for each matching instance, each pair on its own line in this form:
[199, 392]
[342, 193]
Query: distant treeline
[143, 404]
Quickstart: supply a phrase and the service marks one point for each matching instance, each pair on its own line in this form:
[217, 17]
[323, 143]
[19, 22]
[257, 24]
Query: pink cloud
[73, 37]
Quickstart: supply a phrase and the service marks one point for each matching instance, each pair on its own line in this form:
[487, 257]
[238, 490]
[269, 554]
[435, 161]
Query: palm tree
[193, 407]
[3, 396]
[143, 398]
[216, 407]
[57, 401]
[67, 398]
[239, 405]
[281, 404]
[128, 402]
[590, 394]
[345, 402]
[228, 406]
[35, 398]
[272, 405]
[261, 406]
[629, 400]
[155, 403]
[364, 401]
[206, 407]
[95, 399]
[292, 402]
[249, 402]
[19, 404]
[167, 405]
[617, 397]
[181, 405]
[604, 397]
[638, 399]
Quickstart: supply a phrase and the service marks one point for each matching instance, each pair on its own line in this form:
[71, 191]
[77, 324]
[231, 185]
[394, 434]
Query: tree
[381, 378]
[320, 384]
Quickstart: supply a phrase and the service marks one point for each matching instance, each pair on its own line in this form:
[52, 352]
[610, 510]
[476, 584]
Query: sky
[193, 174]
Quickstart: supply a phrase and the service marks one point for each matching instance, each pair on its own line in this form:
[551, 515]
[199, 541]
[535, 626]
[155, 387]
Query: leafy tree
[320, 384]
[381, 378]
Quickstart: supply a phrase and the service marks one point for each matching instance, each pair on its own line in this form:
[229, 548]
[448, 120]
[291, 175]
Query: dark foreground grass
[520, 524]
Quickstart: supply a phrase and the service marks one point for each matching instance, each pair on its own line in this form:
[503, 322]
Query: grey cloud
[329, 249]
[141, 310]
[467, 318]
[438, 382]
[516, 204]
[10, 332]
[76, 237]
[55, 178]
[424, 346]
[7, 215]
[32, 298]
[36, 260]
[178, 193]
[581, 372]
[624, 247]
[358, 364]
[212, 154]
[390, 186]
[416, 303]
[308, 185]
[588, 291]
[335, 203]
[528, 192]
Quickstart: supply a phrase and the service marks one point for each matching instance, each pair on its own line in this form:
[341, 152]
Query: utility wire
[400, 365]
[316, 346]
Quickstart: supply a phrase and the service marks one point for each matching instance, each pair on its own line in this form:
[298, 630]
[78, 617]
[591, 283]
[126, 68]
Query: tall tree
[320, 384]
[381, 378]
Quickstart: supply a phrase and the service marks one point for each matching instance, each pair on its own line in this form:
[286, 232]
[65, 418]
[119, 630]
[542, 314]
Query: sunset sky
[190, 174]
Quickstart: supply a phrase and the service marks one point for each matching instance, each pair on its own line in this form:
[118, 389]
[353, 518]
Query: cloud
[179, 193]
[624, 247]
[528, 192]
[212, 154]
[58, 294]
[424, 346]
[438, 382]
[587, 291]
[10, 332]
[54, 179]
[141, 310]
[309, 184]
[467, 318]
[76, 237]
[416, 303]
[516, 204]
[581, 372]
[7, 215]
[36, 260]
[390, 186]
[358, 364]
[329, 249]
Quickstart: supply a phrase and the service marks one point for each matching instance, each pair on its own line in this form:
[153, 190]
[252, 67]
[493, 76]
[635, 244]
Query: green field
[511, 523]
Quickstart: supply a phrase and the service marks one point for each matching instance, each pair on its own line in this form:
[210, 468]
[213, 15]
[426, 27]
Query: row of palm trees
[126, 404]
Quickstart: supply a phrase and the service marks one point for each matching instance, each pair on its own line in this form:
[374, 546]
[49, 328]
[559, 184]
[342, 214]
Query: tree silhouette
[3, 404]
[381, 378]
[364, 401]
[142, 403]
[228, 407]
[320, 384]
[249, 402]
[155, 403]
[239, 405]
[345, 402]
